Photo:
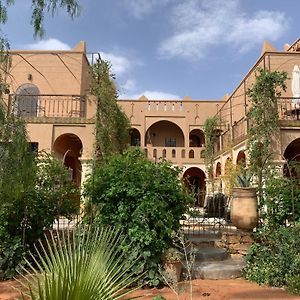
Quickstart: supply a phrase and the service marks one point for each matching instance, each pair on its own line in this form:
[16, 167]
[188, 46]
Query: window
[173, 153]
[170, 142]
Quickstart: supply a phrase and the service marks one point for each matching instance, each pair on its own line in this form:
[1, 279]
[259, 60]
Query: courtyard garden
[132, 213]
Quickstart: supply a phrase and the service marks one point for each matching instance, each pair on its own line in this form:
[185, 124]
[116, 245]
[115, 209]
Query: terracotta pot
[243, 211]
[174, 268]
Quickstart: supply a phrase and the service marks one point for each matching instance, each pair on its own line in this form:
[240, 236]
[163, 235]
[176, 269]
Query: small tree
[263, 121]
[146, 200]
[112, 125]
[210, 127]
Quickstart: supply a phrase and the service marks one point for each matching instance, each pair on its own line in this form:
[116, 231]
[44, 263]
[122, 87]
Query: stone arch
[292, 154]
[68, 147]
[27, 100]
[164, 134]
[194, 179]
[196, 138]
[135, 137]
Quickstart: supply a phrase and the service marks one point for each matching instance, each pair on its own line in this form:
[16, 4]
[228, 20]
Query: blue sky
[167, 48]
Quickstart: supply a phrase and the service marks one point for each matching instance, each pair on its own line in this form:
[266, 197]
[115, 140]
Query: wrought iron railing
[239, 130]
[66, 106]
[288, 108]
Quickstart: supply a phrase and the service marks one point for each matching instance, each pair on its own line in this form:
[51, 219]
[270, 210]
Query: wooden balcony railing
[65, 106]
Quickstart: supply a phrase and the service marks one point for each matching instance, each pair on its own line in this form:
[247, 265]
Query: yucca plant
[78, 265]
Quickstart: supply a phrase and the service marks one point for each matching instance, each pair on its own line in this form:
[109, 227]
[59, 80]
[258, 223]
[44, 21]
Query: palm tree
[79, 265]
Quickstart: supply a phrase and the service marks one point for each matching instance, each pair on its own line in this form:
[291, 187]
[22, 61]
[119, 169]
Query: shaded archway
[218, 169]
[164, 134]
[68, 148]
[135, 137]
[27, 100]
[196, 138]
[292, 155]
[194, 179]
[241, 159]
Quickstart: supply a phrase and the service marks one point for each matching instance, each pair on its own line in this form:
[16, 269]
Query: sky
[166, 49]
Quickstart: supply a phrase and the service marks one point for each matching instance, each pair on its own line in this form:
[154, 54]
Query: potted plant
[172, 262]
[243, 210]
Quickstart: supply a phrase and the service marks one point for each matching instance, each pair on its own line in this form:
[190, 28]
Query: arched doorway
[241, 159]
[68, 148]
[26, 102]
[164, 134]
[292, 155]
[218, 169]
[196, 138]
[135, 137]
[194, 178]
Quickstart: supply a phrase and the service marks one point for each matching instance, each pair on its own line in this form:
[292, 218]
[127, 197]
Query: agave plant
[84, 265]
[244, 178]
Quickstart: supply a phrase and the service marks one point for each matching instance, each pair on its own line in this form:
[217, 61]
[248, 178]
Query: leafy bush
[146, 200]
[275, 259]
[34, 190]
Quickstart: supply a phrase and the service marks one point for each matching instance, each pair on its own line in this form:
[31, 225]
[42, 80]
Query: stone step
[202, 234]
[210, 254]
[226, 269]
[199, 241]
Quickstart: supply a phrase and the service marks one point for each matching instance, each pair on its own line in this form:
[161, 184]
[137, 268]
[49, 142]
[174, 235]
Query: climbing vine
[112, 125]
[210, 127]
[263, 121]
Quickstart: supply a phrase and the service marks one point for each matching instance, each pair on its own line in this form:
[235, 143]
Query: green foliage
[282, 199]
[243, 179]
[263, 122]
[159, 297]
[210, 129]
[79, 265]
[112, 125]
[275, 259]
[39, 7]
[34, 190]
[146, 200]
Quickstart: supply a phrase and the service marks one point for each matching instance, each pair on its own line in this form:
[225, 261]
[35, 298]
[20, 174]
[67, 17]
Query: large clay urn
[243, 211]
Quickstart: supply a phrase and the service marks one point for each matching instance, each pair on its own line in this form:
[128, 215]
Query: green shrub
[143, 198]
[34, 190]
[275, 259]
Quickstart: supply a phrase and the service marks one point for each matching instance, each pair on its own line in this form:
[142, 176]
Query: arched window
[191, 154]
[154, 153]
[27, 100]
[164, 153]
[173, 153]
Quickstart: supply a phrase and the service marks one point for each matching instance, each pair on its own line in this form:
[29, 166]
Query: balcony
[176, 154]
[48, 106]
[289, 109]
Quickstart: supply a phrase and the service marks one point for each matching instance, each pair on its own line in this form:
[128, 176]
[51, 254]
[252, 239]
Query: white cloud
[120, 64]
[200, 25]
[49, 44]
[129, 85]
[155, 95]
[140, 8]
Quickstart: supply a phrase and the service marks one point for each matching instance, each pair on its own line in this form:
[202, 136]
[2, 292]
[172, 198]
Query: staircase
[212, 262]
